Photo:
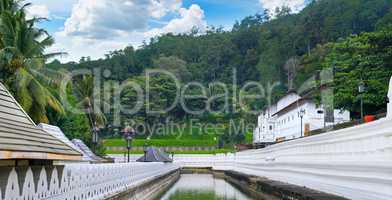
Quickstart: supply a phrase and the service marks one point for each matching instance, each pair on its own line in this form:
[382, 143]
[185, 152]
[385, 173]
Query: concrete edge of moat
[150, 189]
[264, 188]
[253, 186]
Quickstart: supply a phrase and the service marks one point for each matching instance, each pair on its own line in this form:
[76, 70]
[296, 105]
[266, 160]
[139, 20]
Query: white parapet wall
[76, 181]
[355, 162]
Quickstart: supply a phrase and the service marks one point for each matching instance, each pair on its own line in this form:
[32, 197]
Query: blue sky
[95, 27]
[222, 13]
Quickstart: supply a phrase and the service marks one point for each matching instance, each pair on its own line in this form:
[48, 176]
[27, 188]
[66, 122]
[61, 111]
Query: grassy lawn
[162, 142]
[175, 152]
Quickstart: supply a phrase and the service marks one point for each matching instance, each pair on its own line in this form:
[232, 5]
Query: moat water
[203, 187]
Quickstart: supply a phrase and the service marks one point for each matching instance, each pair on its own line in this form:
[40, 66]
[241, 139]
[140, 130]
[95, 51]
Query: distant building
[282, 120]
[22, 142]
[153, 154]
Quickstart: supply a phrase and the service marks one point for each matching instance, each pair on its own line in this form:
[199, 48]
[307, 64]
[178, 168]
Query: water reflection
[203, 187]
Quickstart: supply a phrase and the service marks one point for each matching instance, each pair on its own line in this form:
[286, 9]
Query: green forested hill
[258, 47]
[351, 36]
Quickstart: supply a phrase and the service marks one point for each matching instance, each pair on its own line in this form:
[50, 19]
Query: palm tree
[22, 57]
[10, 5]
[84, 91]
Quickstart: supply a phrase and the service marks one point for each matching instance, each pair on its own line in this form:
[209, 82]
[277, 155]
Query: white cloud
[189, 18]
[79, 46]
[55, 6]
[295, 5]
[108, 18]
[37, 10]
[162, 7]
[97, 27]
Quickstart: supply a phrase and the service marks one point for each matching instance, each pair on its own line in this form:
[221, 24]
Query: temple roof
[20, 138]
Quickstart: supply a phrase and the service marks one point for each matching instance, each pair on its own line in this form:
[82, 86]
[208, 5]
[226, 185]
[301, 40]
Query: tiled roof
[87, 153]
[58, 133]
[21, 139]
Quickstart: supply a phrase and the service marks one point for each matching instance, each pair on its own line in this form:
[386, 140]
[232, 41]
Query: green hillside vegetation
[353, 37]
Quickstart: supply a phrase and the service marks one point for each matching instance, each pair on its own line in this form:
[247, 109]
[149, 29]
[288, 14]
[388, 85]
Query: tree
[84, 91]
[173, 65]
[360, 57]
[282, 11]
[22, 58]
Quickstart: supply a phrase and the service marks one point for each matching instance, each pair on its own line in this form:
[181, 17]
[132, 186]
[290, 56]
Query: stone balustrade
[355, 162]
[76, 181]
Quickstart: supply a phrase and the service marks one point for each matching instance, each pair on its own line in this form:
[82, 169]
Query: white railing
[184, 160]
[76, 182]
[355, 163]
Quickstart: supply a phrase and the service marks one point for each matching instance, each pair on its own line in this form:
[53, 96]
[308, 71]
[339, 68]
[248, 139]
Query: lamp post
[389, 99]
[301, 114]
[145, 149]
[216, 143]
[128, 135]
[361, 90]
[95, 137]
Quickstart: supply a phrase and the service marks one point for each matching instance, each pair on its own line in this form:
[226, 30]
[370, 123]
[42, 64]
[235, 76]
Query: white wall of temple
[341, 116]
[315, 117]
[263, 133]
[288, 125]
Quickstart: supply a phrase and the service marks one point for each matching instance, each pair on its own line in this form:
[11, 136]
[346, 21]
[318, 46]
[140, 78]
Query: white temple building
[282, 120]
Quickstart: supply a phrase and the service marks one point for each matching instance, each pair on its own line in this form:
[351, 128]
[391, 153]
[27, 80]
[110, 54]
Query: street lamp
[145, 149]
[128, 136]
[361, 90]
[301, 114]
[95, 137]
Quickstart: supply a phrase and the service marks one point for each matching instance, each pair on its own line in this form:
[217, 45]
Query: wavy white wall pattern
[76, 182]
[355, 163]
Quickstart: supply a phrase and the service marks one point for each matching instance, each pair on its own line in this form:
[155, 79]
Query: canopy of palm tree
[84, 90]
[22, 56]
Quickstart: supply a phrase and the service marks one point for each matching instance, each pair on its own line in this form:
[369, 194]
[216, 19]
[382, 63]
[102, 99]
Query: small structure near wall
[389, 110]
[88, 155]
[58, 133]
[23, 143]
[293, 117]
[153, 154]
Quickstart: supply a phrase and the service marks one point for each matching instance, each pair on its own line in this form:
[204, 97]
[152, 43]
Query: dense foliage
[258, 48]
[364, 58]
[22, 69]
[22, 55]
[351, 36]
